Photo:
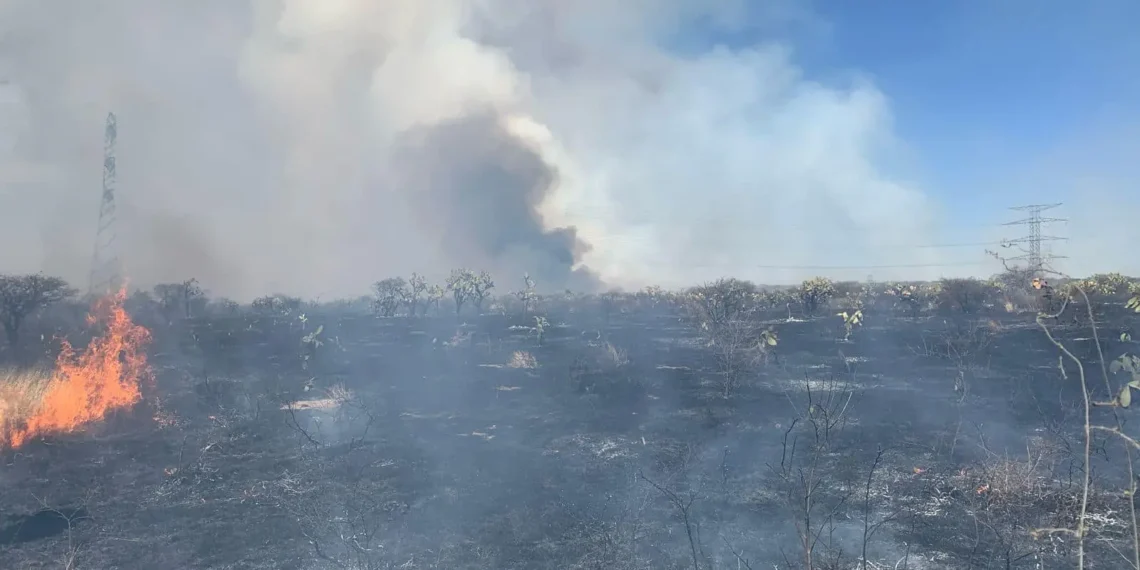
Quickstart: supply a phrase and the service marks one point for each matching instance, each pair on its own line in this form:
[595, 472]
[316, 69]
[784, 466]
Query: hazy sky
[315, 146]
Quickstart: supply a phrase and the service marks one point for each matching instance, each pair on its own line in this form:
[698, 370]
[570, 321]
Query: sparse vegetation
[589, 432]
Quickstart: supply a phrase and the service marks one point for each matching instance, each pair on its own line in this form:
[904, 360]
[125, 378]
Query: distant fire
[87, 386]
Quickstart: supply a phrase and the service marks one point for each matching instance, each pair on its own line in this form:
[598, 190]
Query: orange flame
[86, 387]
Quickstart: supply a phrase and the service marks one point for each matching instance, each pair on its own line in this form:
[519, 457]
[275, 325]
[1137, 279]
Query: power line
[970, 244]
[1036, 260]
[610, 239]
[895, 266]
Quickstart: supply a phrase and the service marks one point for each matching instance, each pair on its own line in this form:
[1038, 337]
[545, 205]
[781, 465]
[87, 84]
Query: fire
[86, 386]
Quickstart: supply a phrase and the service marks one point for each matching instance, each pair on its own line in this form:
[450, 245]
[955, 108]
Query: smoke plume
[313, 147]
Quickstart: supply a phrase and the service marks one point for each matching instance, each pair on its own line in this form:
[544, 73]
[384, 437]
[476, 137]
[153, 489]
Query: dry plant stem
[1120, 428]
[741, 562]
[72, 556]
[869, 528]
[1086, 479]
[684, 508]
[1131, 441]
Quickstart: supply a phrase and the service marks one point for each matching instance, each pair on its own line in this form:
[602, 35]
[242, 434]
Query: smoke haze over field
[315, 146]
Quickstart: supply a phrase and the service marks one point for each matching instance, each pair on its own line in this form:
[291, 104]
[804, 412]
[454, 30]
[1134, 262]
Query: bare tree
[717, 304]
[21, 295]
[389, 294]
[802, 474]
[461, 285]
[481, 287]
[192, 293]
[179, 297]
[682, 495]
[417, 287]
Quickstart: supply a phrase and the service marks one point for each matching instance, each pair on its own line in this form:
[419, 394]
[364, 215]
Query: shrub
[1105, 285]
[907, 297]
[850, 295]
[716, 304]
[964, 296]
[814, 293]
[1014, 289]
[276, 305]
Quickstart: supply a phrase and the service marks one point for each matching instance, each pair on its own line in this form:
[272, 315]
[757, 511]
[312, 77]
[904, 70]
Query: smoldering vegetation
[831, 425]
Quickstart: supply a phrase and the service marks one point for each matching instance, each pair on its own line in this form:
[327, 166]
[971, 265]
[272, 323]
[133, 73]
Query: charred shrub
[850, 295]
[604, 370]
[1014, 290]
[714, 305]
[964, 296]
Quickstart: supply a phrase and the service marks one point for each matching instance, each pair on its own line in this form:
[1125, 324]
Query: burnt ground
[422, 447]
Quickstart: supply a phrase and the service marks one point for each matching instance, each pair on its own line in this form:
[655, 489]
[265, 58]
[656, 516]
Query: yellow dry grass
[21, 395]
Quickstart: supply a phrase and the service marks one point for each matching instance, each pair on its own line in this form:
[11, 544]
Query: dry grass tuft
[521, 359]
[340, 394]
[612, 356]
[21, 395]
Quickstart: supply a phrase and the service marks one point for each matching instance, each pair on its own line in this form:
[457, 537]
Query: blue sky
[979, 89]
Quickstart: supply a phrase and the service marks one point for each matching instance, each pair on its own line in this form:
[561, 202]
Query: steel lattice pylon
[105, 267]
[1036, 261]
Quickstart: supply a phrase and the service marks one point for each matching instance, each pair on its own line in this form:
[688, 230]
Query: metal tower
[105, 270]
[1031, 244]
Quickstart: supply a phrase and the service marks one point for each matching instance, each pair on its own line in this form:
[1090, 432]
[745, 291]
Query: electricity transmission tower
[105, 277]
[1036, 261]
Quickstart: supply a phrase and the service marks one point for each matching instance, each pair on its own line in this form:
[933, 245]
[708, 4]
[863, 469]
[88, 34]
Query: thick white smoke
[314, 146]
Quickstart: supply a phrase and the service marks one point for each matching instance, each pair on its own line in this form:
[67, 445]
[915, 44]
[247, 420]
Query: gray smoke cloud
[313, 147]
[485, 186]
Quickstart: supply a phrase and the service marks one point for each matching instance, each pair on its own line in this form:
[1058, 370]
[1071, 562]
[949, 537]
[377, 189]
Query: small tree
[389, 294]
[527, 294]
[816, 292]
[192, 294]
[183, 298]
[169, 297]
[417, 286]
[461, 284]
[715, 305]
[21, 295]
[435, 294]
[481, 287]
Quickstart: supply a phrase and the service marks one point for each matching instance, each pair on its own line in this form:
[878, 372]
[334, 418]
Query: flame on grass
[87, 386]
